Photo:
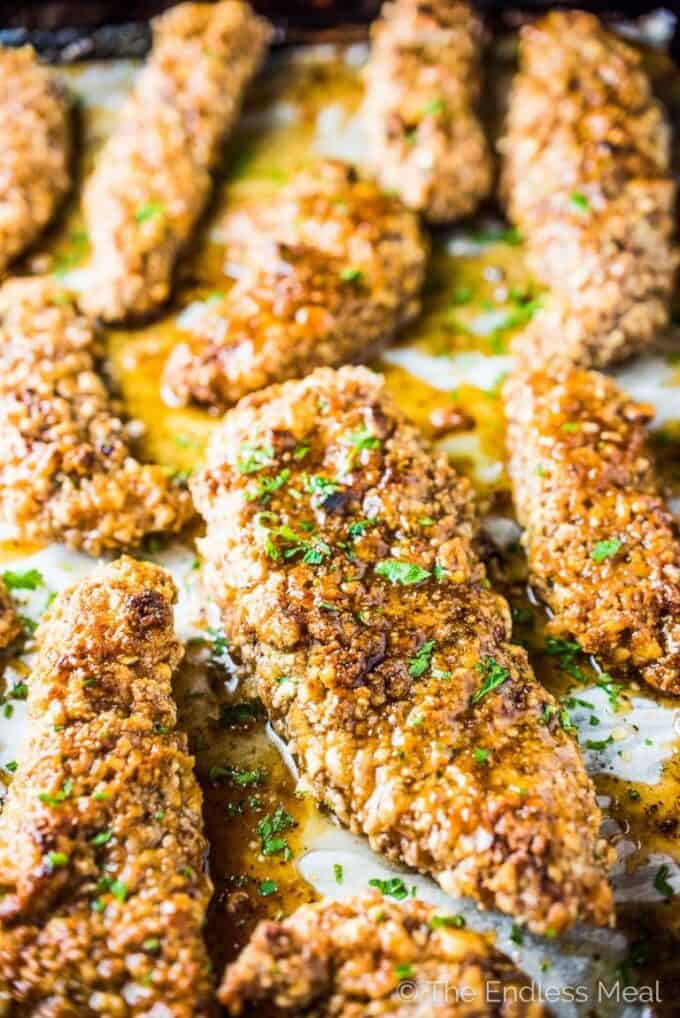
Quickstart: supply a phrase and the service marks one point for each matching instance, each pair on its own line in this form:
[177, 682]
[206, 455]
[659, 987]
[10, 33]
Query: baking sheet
[447, 369]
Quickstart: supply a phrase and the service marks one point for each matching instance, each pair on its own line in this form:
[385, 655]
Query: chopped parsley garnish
[321, 487]
[270, 829]
[598, 744]
[456, 922]
[351, 275]
[219, 650]
[19, 691]
[119, 890]
[338, 873]
[32, 579]
[425, 521]
[149, 211]
[571, 426]
[394, 887]
[11, 766]
[494, 676]
[235, 715]
[612, 689]
[359, 527]
[661, 882]
[102, 838]
[59, 797]
[363, 439]
[151, 944]
[421, 660]
[481, 755]
[566, 651]
[403, 971]
[268, 887]
[462, 295]
[405, 573]
[433, 107]
[511, 235]
[266, 486]
[579, 201]
[516, 935]
[252, 458]
[57, 860]
[236, 775]
[605, 549]
[633, 794]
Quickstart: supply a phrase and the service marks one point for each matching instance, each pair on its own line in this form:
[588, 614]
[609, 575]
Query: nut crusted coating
[101, 845]
[66, 471]
[347, 959]
[603, 550]
[342, 553]
[152, 179]
[587, 181]
[10, 626]
[422, 88]
[332, 270]
[35, 151]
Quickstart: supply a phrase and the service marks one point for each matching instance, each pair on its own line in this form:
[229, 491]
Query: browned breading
[332, 270]
[10, 626]
[66, 469]
[366, 957]
[422, 87]
[342, 553]
[603, 551]
[35, 151]
[587, 181]
[101, 847]
[152, 178]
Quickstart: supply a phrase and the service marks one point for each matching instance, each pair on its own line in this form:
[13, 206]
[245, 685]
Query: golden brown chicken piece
[332, 269]
[588, 183]
[603, 550]
[368, 956]
[10, 626]
[101, 847]
[342, 552]
[152, 178]
[35, 151]
[423, 82]
[66, 469]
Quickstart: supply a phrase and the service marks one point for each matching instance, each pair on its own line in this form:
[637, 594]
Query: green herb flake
[150, 210]
[403, 971]
[481, 755]
[32, 579]
[59, 797]
[119, 890]
[268, 887]
[338, 873]
[456, 922]
[579, 201]
[252, 458]
[494, 676]
[11, 766]
[351, 275]
[421, 660]
[102, 838]
[394, 887]
[661, 882]
[152, 945]
[405, 573]
[605, 549]
[516, 935]
[433, 107]
[57, 860]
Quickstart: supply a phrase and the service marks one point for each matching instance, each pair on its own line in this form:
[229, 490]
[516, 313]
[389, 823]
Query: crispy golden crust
[342, 553]
[66, 470]
[101, 845]
[586, 179]
[152, 178]
[367, 957]
[10, 626]
[35, 151]
[422, 87]
[603, 550]
[332, 270]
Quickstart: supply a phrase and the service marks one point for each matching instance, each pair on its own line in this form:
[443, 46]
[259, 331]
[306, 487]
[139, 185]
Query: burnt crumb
[149, 610]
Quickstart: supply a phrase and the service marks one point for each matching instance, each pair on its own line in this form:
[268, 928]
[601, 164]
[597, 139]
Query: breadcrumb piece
[104, 892]
[604, 552]
[342, 552]
[66, 470]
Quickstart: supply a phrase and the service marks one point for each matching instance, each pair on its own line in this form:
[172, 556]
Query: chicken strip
[332, 270]
[341, 550]
[422, 88]
[35, 152]
[603, 550]
[366, 957]
[101, 846]
[587, 180]
[66, 470]
[153, 177]
[10, 626]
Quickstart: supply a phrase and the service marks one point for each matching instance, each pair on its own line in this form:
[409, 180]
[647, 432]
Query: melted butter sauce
[478, 294]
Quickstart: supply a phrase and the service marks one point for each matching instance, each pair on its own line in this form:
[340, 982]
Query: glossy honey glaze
[477, 294]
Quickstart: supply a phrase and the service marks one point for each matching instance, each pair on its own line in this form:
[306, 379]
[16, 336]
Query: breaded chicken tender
[367, 956]
[423, 81]
[331, 270]
[604, 553]
[153, 176]
[35, 151]
[587, 180]
[341, 550]
[66, 469]
[101, 847]
[10, 626]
